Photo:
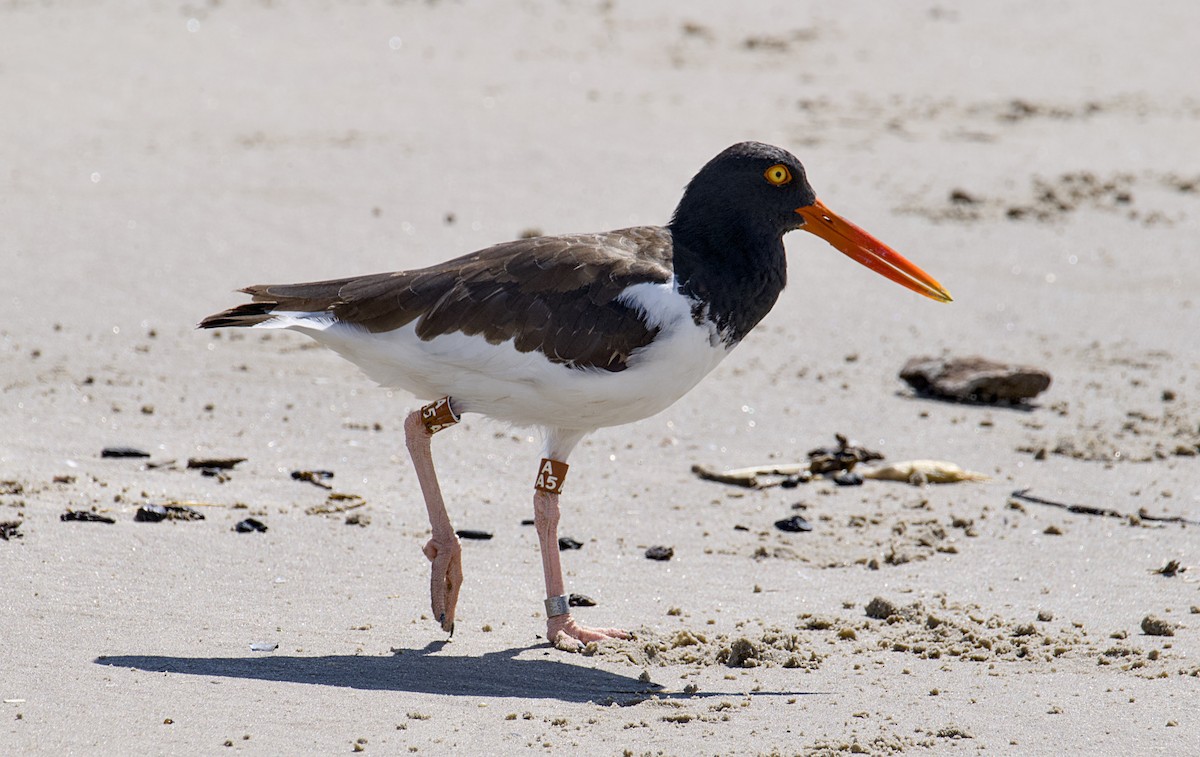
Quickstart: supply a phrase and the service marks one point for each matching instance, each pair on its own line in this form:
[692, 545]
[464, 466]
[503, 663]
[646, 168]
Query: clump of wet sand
[941, 629]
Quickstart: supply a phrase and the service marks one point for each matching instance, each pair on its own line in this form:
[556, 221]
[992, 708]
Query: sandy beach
[1039, 159]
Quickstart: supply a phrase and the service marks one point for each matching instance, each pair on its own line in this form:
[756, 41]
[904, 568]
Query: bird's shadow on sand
[494, 674]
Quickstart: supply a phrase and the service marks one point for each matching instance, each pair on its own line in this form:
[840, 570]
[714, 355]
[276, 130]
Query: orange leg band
[438, 415]
[551, 475]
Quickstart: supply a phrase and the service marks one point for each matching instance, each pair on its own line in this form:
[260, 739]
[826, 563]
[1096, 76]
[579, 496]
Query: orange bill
[869, 251]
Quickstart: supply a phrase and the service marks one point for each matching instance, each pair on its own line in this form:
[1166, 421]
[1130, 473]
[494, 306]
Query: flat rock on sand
[974, 379]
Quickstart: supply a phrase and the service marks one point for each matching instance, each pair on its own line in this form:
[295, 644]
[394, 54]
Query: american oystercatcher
[572, 333]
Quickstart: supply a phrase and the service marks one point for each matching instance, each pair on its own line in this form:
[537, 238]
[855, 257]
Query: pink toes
[445, 579]
[567, 635]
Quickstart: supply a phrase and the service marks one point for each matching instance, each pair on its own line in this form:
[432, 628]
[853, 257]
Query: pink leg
[443, 550]
[562, 630]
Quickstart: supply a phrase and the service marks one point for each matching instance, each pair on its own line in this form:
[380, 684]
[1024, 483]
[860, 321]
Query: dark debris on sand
[157, 513]
[214, 463]
[314, 477]
[472, 533]
[85, 516]
[120, 452]
[843, 457]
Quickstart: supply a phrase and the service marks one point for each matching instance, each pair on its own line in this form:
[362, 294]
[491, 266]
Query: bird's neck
[734, 271]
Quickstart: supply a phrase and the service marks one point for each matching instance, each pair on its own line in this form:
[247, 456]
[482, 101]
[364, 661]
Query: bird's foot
[564, 633]
[445, 579]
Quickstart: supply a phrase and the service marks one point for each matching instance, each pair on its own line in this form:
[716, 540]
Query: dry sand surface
[1040, 159]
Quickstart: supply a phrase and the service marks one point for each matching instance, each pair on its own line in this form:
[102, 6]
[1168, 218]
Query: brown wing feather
[552, 294]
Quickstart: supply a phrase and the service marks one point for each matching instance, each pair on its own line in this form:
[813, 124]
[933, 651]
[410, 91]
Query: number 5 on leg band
[551, 474]
[438, 415]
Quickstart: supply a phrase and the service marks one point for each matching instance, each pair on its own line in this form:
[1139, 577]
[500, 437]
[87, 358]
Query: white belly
[526, 388]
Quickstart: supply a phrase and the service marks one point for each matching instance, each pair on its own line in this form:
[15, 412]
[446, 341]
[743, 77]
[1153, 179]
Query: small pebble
[249, 525]
[566, 542]
[660, 553]
[791, 482]
[580, 600]
[847, 478]
[794, 524]
[150, 514]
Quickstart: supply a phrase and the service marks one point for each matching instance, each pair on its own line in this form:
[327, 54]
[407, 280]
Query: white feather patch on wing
[298, 321]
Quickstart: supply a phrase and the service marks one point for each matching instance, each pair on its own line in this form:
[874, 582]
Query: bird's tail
[248, 314]
[270, 300]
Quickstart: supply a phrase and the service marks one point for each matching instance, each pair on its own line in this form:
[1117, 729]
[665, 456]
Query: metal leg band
[556, 606]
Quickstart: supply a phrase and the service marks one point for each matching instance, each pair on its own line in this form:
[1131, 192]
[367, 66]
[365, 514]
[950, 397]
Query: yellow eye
[778, 174]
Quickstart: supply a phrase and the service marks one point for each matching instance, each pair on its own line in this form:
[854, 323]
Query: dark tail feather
[312, 297]
[249, 314]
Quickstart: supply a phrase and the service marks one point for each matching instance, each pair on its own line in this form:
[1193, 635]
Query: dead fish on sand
[921, 472]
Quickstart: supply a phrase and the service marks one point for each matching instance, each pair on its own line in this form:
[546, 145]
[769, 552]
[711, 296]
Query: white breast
[526, 388]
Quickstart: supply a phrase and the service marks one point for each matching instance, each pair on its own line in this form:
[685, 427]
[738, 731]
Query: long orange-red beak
[869, 251]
